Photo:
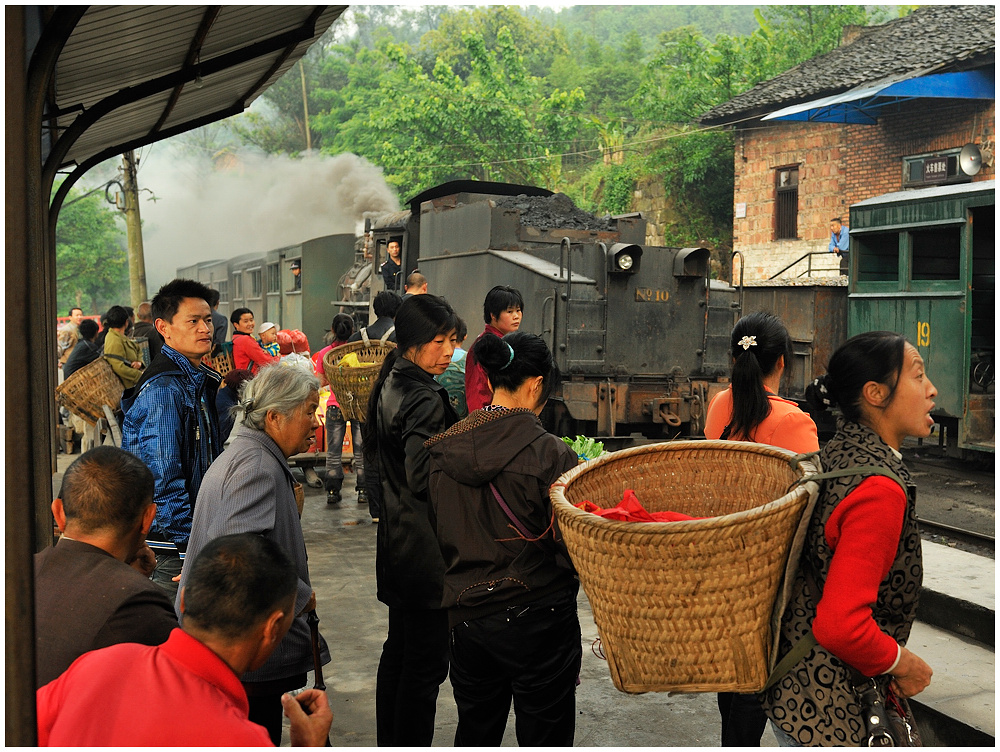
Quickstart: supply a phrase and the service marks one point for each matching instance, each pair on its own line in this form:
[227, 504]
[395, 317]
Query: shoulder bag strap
[518, 525]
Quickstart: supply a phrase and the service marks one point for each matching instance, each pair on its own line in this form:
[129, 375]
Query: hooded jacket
[489, 566]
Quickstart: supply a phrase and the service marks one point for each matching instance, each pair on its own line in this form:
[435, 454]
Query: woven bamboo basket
[685, 606]
[87, 391]
[353, 386]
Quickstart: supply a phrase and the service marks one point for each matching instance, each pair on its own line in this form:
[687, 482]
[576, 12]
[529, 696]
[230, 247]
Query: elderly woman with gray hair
[250, 489]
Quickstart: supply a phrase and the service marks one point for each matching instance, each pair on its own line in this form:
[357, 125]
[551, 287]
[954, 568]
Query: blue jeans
[168, 566]
[336, 427]
[784, 740]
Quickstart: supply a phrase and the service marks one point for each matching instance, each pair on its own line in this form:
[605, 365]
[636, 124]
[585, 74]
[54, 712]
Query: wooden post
[133, 226]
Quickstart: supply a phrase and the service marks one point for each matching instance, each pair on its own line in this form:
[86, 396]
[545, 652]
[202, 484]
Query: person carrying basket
[854, 597]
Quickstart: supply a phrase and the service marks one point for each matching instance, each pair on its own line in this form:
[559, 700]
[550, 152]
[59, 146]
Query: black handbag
[887, 718]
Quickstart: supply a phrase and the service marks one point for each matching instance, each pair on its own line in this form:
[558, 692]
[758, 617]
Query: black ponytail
[757, 342]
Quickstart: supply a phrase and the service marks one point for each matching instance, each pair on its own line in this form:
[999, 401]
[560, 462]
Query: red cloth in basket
[629, 509]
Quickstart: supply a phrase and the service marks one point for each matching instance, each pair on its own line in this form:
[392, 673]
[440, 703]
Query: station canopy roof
[863, 104]
[126, 76]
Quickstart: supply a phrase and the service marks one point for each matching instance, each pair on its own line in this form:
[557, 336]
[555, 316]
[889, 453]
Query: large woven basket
[685, 606]
[87, 390]
[353, 386]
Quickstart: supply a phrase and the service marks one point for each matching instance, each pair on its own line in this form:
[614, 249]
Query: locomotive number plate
[649, 295]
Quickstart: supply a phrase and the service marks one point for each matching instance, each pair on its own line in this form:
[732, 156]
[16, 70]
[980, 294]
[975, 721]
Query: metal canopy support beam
[194, 52]
[183, 75]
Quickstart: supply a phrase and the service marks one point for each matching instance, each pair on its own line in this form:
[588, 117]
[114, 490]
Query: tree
[91, 258]
[424, 129]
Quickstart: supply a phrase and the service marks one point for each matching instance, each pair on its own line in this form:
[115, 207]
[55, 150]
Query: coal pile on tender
[554, 212]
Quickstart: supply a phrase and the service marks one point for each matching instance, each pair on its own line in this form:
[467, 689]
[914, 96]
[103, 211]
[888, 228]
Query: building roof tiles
[933, 38]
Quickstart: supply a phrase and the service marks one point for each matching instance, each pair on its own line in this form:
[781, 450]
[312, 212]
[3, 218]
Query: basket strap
[364, 336]
[845, 472]
[799, 651]
[388, 333]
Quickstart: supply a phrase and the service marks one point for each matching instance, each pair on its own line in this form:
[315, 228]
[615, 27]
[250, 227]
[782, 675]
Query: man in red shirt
[502, 314]
[236, 606]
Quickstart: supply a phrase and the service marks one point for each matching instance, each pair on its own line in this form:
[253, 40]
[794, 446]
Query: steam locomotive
[640, 333]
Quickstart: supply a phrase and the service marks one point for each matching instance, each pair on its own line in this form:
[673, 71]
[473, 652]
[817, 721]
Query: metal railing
[809, 267]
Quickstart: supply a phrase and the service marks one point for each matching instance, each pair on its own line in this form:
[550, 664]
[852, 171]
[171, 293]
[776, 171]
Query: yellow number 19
[923, 334]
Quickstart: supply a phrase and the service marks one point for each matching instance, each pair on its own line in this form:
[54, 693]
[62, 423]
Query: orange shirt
[786, 426]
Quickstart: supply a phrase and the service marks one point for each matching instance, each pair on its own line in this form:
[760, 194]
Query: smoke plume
[216, 209]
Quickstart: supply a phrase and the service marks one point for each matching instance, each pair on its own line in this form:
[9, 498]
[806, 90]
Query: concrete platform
[340, 540]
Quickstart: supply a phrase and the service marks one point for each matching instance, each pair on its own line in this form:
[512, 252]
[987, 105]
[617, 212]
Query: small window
[936, 254]
[255, 286]
[786, 182]
[878, 256]
[223, 288]
[273, 278]
[238, 285]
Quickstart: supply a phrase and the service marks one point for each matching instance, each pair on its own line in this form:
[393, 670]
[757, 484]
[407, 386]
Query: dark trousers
[168, 566]
[529, 654]
[414, 663]
[265, 702]
[743, 720]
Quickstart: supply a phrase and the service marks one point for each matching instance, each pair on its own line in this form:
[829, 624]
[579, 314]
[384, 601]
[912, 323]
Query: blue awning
[864, 104]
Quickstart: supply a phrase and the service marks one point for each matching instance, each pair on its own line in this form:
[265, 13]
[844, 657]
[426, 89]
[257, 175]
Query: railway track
[951, 533]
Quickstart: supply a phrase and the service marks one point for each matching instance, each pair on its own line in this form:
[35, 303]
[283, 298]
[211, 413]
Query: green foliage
[91, 257]
[587, 100]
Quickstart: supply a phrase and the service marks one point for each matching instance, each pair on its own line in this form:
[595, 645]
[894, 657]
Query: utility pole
[305, 105]
[133, 226]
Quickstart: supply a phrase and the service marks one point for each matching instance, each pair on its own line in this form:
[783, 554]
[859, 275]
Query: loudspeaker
[970, 160]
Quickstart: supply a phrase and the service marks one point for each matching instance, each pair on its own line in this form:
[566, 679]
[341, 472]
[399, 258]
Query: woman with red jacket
[860, 570]
[751, 410]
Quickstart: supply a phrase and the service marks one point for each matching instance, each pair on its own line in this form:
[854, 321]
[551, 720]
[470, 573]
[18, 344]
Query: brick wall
[839, 165]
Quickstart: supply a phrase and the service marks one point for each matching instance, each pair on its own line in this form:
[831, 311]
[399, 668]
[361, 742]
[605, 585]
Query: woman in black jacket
[407, 406]
[509, 587]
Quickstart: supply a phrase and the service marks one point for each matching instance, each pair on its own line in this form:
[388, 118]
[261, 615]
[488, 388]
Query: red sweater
[863, 533]
[247, 354]
[107, 698]
[477, 387]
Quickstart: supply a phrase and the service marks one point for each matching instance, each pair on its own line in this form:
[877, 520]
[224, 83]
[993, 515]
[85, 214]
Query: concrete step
[955, 633]
[958, 708]
[959, 593]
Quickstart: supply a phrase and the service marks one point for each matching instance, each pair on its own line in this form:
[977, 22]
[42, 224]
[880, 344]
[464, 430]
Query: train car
[922, 264]
[296, 287]
[640, 333]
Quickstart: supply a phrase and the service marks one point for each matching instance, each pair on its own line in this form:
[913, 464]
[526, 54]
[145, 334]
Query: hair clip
[747, 342]
[511, 358]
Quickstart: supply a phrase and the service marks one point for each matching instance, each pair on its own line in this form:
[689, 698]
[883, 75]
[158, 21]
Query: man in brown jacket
[87, 596]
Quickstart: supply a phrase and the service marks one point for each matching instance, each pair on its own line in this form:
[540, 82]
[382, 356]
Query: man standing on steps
[171, 422]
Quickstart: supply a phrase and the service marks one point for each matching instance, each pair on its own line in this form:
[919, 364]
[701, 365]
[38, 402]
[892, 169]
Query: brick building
[889, 109]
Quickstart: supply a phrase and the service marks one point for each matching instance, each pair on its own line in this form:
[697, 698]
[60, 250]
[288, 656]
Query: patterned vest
[814, 702]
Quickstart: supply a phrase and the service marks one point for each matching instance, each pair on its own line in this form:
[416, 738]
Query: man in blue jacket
[171, 422]
[839, 242]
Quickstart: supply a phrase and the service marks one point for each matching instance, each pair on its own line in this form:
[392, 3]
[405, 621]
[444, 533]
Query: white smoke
[248, 204]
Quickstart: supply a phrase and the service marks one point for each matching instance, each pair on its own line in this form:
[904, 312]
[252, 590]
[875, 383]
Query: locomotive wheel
[982, 373]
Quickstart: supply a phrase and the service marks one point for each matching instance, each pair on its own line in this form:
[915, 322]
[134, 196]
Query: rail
[809, 268]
